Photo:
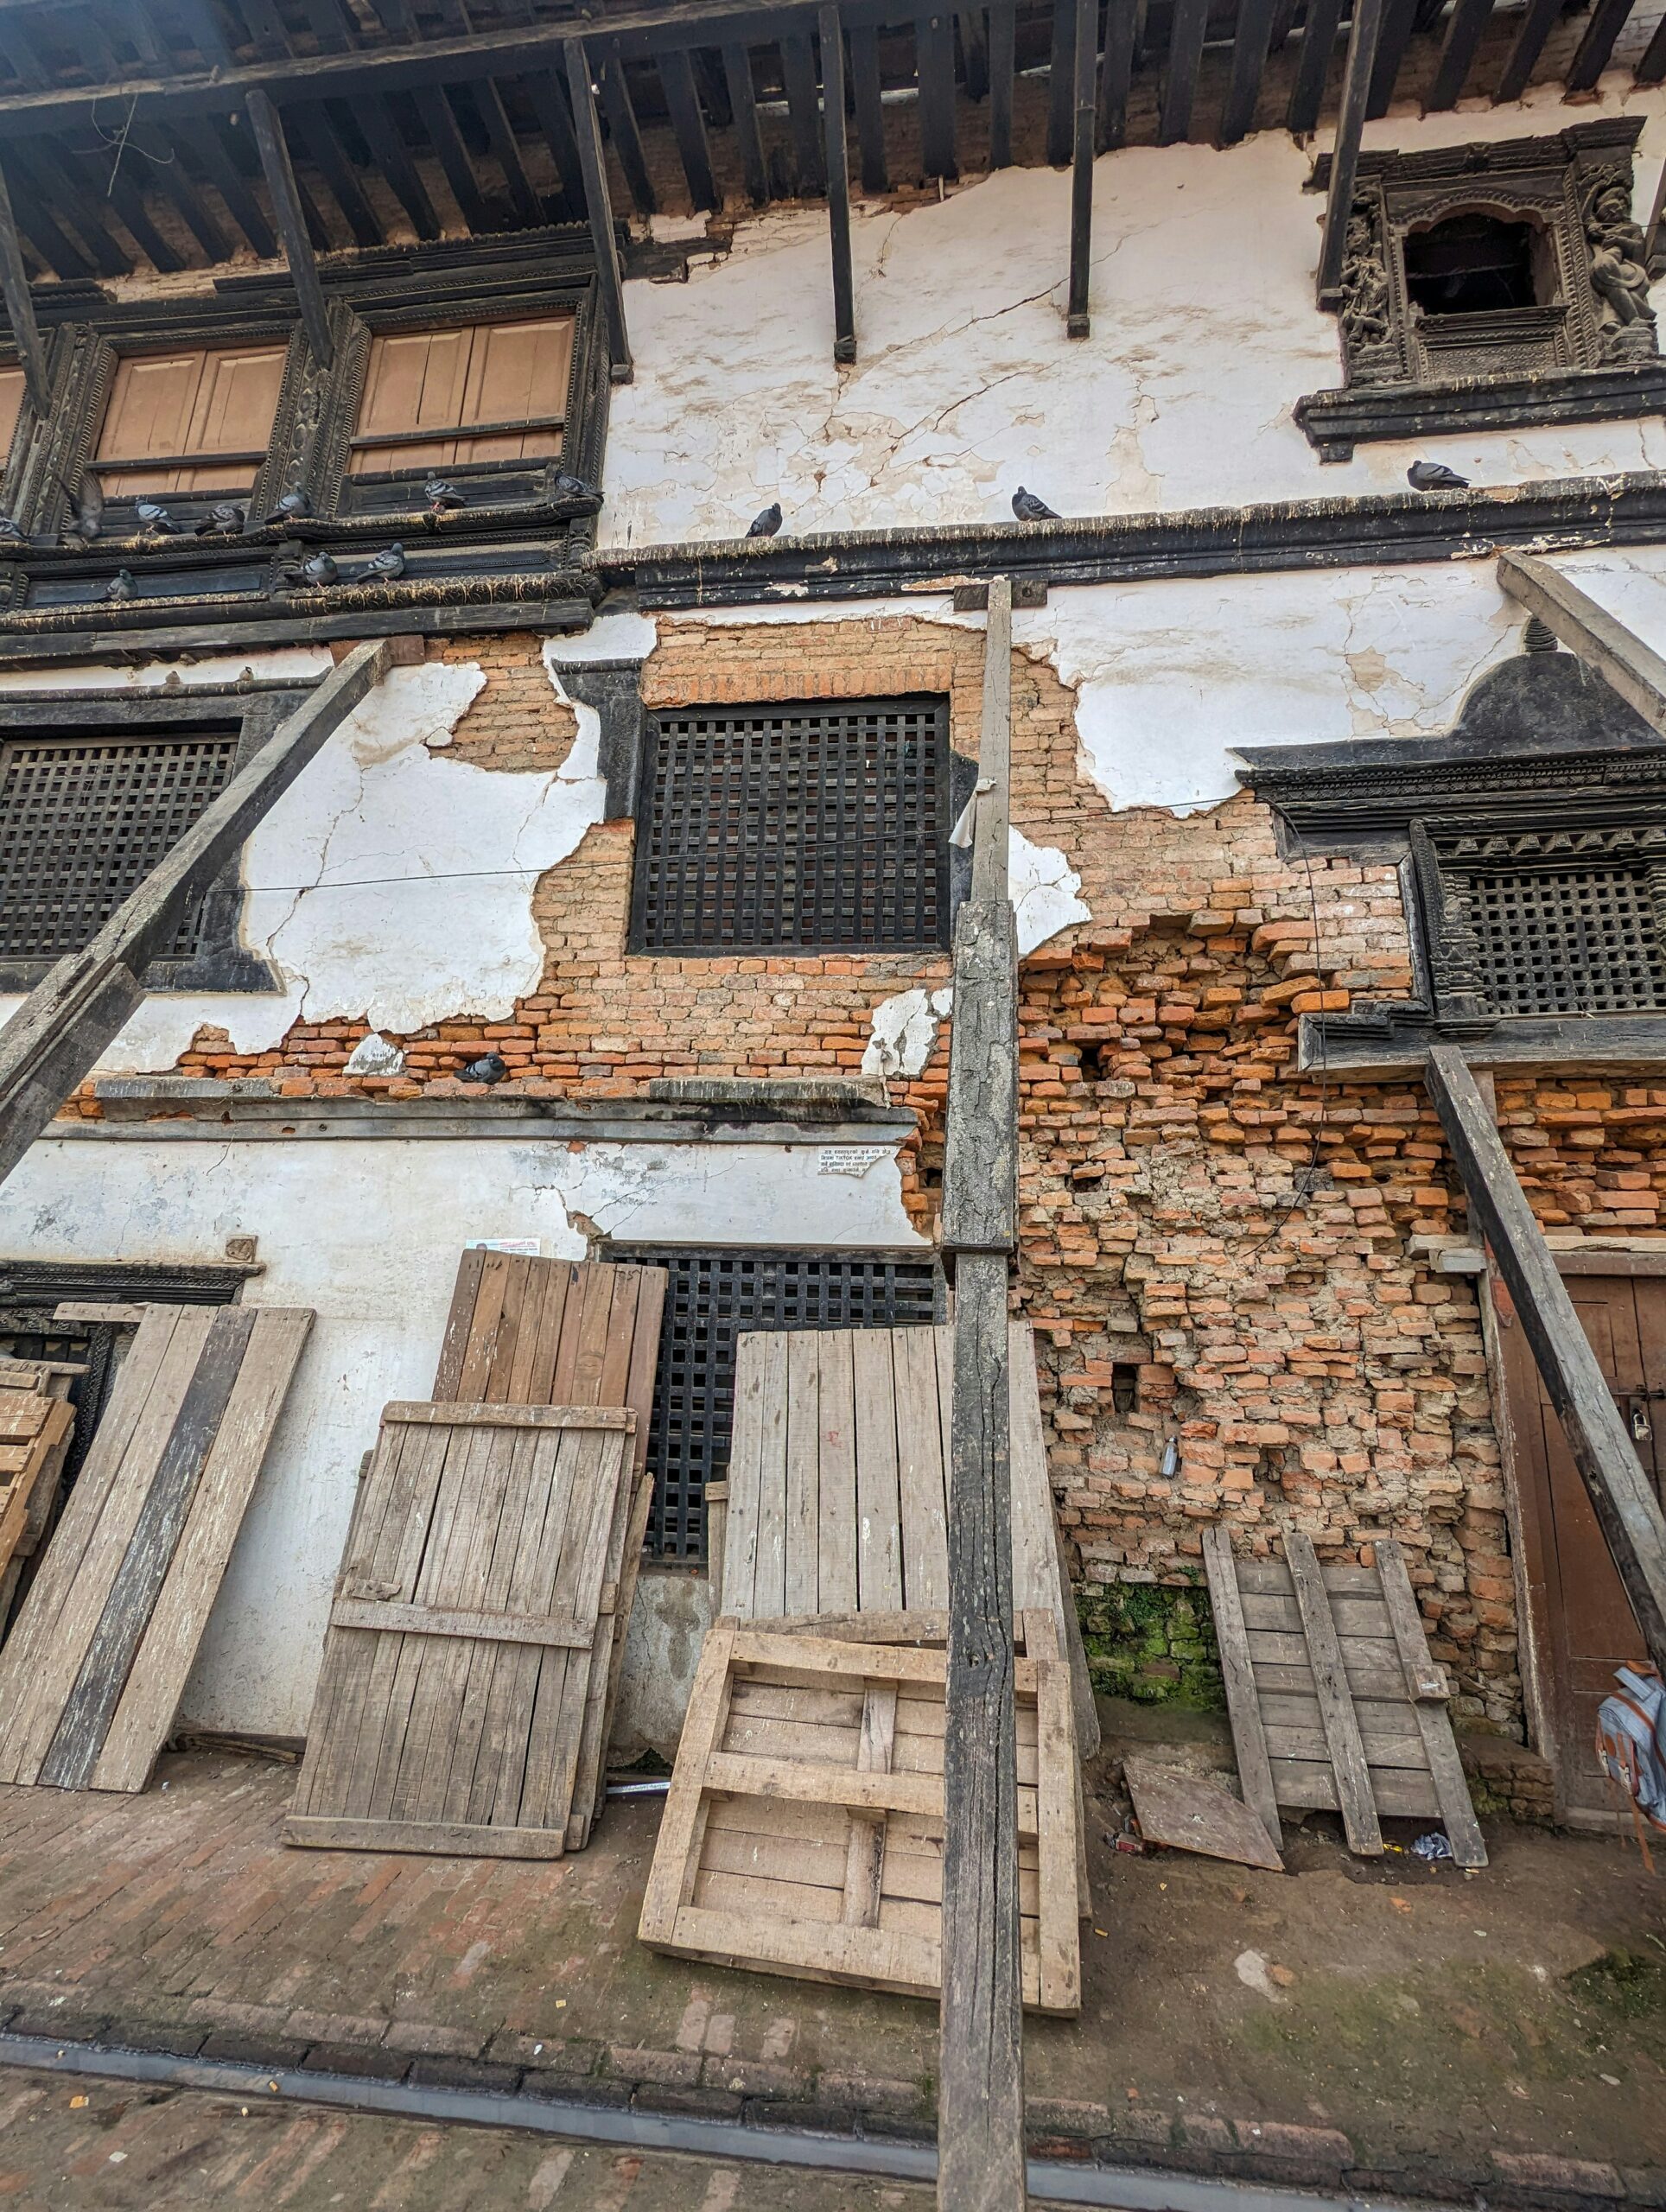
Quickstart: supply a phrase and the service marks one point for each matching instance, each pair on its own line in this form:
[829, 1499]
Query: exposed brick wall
[1216, 1252]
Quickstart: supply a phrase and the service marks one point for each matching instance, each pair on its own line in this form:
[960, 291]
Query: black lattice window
[82, 821]
[812, 828]
[1579, 940]
[713, 1296]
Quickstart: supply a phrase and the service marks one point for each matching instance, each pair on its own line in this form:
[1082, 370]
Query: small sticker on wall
[850, 1159]
[531, 1246]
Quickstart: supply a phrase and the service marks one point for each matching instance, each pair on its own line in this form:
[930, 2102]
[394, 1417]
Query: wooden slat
[804, 114]
[749, 139]
[1434, 1724]
[878, 1501]
[458, 1839]
[687, 124]
[1398, 1792]
[610, 284]
[1185, 37]
[1538, 19]
[1003, 37]
[423, 1412]
[423, 1620]
[865, 1848]
[671, 1879]
[1330, 1686]
[1238, 1674]
[1465, 24]
[289, 217]
[1398, 16]
[934, 69]
[1320, 27]
[1249, 44]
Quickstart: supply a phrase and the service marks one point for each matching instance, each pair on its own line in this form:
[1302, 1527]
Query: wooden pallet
[34, 1434]
[467, 1636]
[91, 1673]
[1334, 1699]
[524, 1330]
[803, 1831]
[50, 1378]
[836, 1504]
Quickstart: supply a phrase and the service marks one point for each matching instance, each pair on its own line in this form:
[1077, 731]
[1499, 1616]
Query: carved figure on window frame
[1619, 275]
[1366, 313]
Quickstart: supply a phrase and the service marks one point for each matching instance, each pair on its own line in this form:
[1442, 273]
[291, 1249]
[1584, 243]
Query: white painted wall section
[369, 1235]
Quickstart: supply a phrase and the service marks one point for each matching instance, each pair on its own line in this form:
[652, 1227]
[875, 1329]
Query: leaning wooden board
[837, 1496]
[467, 1633]
[524, 1331]
[1334, 1699]
[803, 1830]
[91, 1673]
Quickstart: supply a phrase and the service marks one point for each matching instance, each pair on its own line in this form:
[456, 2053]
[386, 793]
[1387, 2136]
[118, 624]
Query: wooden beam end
[1076, 326]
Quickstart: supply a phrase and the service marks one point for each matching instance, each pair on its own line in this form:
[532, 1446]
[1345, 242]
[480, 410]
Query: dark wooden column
[838, 184]
[1081, 174]
[274, 153]
[593, 165]
[1344, 153]
[981, 2073]
[1621, 1495]
[20, 308]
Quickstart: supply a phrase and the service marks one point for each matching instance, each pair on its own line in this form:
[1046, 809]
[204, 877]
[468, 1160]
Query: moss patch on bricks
[1153, 1643]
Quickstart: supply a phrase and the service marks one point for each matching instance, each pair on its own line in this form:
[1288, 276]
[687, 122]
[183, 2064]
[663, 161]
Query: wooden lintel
[838, 184]
[593, 165]
[1081, 182]
[55, 1039]
[291, 222]
[1622, 1497]
[1617, 654]
[1344, 153]
[20, 308]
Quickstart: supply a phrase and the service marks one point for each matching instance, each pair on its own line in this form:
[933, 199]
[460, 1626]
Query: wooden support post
[593, 163]
[55, 1037]
[1344, 153]
[1003, 43]
[263, 121]
[20, 308]
[1623, 661]
[981, 2084]
[1081, 174]
[838, 184]
[1622, 1497]
[743, 107]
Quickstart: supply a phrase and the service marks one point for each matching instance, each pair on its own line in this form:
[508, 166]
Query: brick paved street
[1420, 2028]
[69, 2145]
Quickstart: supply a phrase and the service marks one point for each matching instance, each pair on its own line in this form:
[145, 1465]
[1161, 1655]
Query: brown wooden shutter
[178, 411]
[11, 400]
[450, 380]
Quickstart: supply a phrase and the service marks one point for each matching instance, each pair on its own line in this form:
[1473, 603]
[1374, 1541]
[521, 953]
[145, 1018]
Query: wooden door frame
[1628, 1256]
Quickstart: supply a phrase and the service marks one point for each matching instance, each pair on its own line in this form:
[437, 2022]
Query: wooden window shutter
[194, 422]
[508, 378]
[11, 401]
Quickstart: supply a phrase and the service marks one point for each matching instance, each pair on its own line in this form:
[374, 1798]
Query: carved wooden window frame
[1591, 353]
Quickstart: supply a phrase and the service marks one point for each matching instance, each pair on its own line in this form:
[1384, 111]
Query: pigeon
[153, 515]
[769, 523]
[318, 569]
[290, 508]
[440, 495]
[1435, 476]
[491, 1067]
[389, 564]
[10, 534]
[1028, 508]
[121, 587]
[89, 510]
[223, 518]
[574, 488]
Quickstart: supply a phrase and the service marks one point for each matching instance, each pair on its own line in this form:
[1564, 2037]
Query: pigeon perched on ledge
[155, 516]
[121, 587]
[572, 487]
[224, 519]
[767, 524]
[491, 1067]
[1435, 476]
[440, 495]
[390, 563]
[290, 508]
[319, 569]
[1028, 508]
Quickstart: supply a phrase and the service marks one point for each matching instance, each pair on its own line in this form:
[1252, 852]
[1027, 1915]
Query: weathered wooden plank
[1363, 37]
[423, 1412]
[1622, 1497]
[1399, 1793]
[1332, 1687]
[1238, 1674]
[980, 1168]
[864, 1872]
[671, 1879]
[460, 1838]
[423, 1620]
[609, 283]
[1433, 1724]
[291, 223]
[1629, 666]
[878, 1500]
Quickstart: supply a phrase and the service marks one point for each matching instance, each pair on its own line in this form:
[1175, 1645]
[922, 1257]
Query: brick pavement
[1432, 2033]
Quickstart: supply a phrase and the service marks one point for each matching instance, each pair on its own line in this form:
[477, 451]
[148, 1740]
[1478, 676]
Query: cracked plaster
[1204, 334]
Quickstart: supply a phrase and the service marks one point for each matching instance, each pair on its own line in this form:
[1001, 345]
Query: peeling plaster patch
[903, 1031]
[610, 637]
[733, 1194]
[1043, 887]
[287, 664]
[375, 1055]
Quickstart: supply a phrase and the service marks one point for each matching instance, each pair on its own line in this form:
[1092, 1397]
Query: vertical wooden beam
[1312, 64]
[1116, 73]
[803, 103]
[588, 128]
[974, 52]
[20, 308]
[1468, 21]
[1636, 671]
[1003, 46]
[291, 224]
[870, 111]
[1061, 85]
[1249, 44]
[743, 104]
[838, 184]
[1391, 42]
[934, 71]
[1081, 180]
[622, 122]
[1344, 153]
[1622, 1496]
[981, 2084]
[1185, 37]
[687, 124]
[1537, 24]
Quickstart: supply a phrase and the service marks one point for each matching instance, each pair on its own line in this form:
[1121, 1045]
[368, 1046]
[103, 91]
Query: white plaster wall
[368, 1234]
[1205, 334]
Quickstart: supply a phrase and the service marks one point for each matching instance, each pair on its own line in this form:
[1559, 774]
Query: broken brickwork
[1218, 1253]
